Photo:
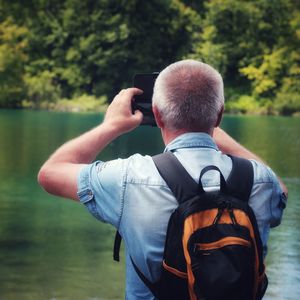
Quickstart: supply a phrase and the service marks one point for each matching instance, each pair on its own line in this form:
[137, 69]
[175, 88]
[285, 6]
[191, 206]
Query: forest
[76, 55]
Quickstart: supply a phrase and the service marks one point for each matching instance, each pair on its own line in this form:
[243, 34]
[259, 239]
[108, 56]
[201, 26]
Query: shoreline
[75, 108]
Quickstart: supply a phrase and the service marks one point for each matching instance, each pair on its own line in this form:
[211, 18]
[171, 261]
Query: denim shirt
[131, 195]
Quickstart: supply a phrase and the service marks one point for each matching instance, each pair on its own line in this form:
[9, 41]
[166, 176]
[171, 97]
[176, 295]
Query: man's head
[188, 96]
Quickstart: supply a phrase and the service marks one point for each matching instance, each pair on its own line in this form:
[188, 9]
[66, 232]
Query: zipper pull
[218, 216]
[195, 248]
[232, 216]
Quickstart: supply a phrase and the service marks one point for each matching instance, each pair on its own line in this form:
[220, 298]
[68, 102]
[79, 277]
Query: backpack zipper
[228, 241]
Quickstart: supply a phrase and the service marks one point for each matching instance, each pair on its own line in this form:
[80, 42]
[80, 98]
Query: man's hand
[119, 115]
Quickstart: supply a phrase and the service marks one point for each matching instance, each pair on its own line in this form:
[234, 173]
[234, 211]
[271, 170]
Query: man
[129, 193]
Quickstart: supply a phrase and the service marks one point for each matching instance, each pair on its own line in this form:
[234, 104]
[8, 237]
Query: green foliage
[241, 31]
[59, 49]
[41, 88]
[253, 41]
[267, 76]
[288, 103]
[82, 103]
[160, 32]
[99, 50]
[244, 104]
[13, 43]
[276, 75]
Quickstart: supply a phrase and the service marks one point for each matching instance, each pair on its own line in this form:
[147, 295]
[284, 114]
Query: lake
[51, 248]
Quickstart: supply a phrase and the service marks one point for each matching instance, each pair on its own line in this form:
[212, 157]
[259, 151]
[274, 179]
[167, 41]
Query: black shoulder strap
[153, 287]
[117, 246]
[177, 178]
[240, 180]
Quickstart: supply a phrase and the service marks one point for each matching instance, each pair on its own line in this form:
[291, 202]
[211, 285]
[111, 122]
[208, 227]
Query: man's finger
[138, 115]
[128, 94]
[122, 92]
[133, 91]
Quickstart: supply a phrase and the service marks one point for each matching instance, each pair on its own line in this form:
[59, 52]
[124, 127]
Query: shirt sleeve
[270, 200]
[101, 189]
[278, 200]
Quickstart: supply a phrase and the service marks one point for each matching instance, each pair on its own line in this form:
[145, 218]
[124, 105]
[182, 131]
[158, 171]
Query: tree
[99, 50]
[67, 48]
[13, 45]
[251, 44]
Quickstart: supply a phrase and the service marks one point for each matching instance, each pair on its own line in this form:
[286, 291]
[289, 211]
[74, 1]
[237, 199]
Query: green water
[53, 249]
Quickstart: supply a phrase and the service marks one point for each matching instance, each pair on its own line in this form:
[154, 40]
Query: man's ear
[220, 117]
[157, 117]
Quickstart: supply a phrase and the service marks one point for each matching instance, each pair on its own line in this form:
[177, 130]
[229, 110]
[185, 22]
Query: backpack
[213, 249]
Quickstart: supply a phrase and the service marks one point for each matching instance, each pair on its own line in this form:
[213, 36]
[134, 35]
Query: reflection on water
[52, 249]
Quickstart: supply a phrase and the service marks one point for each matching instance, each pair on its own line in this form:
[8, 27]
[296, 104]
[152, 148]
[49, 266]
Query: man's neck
[170, 135]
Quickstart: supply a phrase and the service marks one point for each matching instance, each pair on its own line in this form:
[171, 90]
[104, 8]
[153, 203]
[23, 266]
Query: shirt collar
[192, 140]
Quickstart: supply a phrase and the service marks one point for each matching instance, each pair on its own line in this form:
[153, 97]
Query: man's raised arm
[230, 146]
[58, 175]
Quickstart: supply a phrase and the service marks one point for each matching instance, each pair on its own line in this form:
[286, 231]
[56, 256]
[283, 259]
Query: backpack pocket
[222, 265]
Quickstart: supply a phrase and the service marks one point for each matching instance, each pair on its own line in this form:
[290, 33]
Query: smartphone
[143, 102]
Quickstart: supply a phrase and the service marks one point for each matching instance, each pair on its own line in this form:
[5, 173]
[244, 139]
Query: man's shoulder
[133, 161]
[263, 173]
[141, 169]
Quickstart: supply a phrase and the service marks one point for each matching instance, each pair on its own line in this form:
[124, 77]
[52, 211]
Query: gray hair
[189, 95]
